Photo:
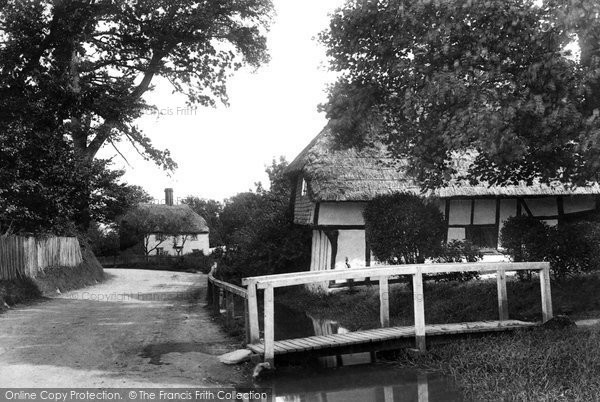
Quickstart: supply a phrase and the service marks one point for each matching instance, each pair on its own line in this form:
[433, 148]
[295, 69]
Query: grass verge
[533, 365]
[447, 302]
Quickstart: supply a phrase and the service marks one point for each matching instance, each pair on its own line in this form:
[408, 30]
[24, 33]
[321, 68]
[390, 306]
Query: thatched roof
[360, 175]
[191, 222]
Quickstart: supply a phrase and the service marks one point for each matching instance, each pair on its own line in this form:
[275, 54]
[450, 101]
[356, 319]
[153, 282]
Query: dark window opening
[482, 236]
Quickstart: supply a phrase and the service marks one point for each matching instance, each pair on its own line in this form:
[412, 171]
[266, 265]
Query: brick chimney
[168, 196]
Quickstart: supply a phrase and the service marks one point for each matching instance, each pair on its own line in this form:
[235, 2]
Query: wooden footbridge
[269, 348]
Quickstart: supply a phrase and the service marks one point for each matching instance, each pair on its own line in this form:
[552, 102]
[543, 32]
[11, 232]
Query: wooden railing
[219, 291]
[382, 274]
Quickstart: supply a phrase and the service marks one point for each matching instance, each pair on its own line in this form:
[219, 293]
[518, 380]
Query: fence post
[269, 327]
[419, 307]
[216, 302]
[502, 297]
[546, 294]
[384, 302]
[230, 307]
[246, 320]
[253, 313]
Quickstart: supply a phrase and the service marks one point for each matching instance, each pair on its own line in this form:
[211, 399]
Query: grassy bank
[25, 290]
[447, 302]
[535, 365]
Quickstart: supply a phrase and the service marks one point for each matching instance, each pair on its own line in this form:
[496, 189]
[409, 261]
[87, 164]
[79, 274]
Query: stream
[347, 377]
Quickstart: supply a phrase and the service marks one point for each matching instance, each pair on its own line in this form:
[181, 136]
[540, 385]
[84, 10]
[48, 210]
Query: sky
[273, 112]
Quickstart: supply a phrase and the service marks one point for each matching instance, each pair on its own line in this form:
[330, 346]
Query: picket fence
[27, 256]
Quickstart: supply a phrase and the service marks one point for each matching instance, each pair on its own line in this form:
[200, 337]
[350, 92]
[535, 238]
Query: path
[137, 329]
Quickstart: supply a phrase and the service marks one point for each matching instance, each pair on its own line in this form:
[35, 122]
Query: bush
[404, 228]
[525, 238]
[570, 248]
[573, 248]
[457, 251]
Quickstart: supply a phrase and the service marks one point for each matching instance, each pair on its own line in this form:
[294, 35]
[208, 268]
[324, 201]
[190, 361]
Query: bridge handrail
[306, 277]
[382, 275]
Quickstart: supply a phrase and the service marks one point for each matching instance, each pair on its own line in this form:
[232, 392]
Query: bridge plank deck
[385, 334]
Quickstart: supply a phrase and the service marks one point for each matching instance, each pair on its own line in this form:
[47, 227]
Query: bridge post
[269, 327]
[253, 313]
[419, 307]
[384, 302]
[546, 294]
[229, 305]
[502, 297]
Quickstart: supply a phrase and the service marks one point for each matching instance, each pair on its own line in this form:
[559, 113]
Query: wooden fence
[223, 293]
[27, 256]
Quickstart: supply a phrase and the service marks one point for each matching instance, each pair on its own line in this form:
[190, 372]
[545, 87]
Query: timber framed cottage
[332, 186]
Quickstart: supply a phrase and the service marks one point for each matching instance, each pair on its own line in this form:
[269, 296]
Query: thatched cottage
[332, 187]
[168, 229]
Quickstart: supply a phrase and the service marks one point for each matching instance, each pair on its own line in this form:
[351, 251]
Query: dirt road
[137, 329]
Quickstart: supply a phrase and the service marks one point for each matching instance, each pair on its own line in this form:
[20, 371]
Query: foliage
[139, 225]
[211, 211]
[403, 228]
[87, 65]
[574, 248]
[73, 76]
[570, 248]
[525, 238]
[258, 232]
[536, 365]
[458, 251]
[103, 242]
[493, 79]
[44, 187]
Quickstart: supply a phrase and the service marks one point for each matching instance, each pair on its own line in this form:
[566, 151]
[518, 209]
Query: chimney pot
[169, 196]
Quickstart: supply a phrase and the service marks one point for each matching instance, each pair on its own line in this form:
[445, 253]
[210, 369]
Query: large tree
[489, 80]
[76, 71]
[89, 62]
[210, 210]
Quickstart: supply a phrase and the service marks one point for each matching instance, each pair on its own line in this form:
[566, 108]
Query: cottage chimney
[169, 196]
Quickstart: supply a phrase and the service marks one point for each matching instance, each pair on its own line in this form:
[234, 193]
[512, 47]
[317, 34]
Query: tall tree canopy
[86, 64]
[73, 74]
[488, 79]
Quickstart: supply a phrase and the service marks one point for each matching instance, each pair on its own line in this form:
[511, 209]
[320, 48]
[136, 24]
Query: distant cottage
[332, 187]
[167, 229]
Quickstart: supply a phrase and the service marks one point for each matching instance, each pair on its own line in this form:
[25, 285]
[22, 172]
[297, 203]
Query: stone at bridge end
[236, 357]
[558, 322]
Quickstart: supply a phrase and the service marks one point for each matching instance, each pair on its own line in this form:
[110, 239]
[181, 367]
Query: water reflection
[353, 377]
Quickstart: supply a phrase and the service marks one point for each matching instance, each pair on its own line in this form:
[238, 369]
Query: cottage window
[159, 237]
[304, 190]
[160, 251]
[485, 236]
[193, 237]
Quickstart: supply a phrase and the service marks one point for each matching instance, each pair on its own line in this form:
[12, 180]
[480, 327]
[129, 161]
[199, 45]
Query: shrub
[570, 248]
[573, 248]
[525, 238]
[458, 251]
[403, 228]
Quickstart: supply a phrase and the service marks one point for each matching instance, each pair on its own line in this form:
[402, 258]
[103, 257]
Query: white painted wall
[351, 245]
[341, 213]
[201, 243]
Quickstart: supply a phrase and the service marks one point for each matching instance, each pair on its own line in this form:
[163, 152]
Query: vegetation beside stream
[540, 364]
